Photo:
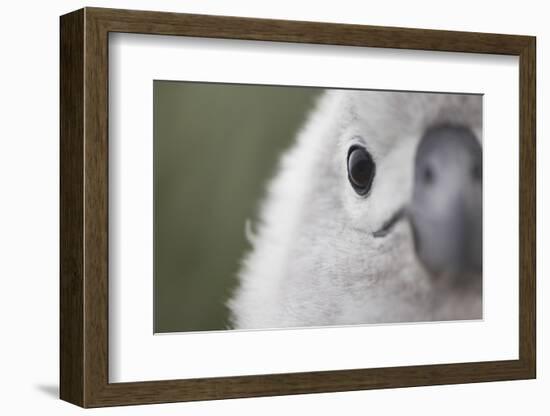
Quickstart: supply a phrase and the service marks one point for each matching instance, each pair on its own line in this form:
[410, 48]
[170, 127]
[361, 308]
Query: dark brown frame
[84, 213]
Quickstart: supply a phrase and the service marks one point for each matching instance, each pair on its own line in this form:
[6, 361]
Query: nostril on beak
[428, 175]
[476, 172]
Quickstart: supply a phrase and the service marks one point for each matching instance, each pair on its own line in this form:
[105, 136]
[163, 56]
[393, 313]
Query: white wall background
[29, 169]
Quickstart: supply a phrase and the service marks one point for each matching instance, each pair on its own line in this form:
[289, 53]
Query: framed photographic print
[255, 207]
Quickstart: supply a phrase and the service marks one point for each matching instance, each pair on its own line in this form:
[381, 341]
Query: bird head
[403, 188]
[374, 216]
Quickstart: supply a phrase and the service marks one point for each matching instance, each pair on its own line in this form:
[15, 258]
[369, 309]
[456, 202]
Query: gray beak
[446, 207]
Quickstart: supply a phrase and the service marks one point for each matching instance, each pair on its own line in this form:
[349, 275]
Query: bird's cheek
[396, 256]
[397, 242]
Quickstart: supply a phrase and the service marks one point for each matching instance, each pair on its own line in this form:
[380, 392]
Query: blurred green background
[215, 147]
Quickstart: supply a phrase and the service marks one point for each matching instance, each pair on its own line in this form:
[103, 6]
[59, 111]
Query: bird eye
[360, 169]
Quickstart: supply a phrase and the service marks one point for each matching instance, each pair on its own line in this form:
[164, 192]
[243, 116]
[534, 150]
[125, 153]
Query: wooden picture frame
[84, 207]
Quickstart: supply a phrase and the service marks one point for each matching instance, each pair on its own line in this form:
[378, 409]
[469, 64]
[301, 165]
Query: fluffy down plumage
[314, 260]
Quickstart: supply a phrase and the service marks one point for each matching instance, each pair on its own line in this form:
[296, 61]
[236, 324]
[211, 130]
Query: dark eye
[360, 169]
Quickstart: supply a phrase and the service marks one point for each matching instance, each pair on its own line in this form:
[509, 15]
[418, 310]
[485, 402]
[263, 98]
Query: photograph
[255, 206]
[282, 206]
